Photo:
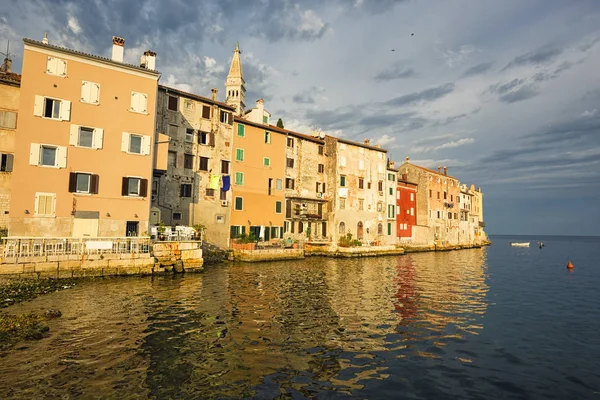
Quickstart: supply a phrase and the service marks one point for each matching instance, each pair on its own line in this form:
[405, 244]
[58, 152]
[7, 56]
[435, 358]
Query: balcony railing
[41, 247]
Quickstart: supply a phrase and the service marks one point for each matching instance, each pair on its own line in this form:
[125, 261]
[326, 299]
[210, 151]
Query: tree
[280, 123]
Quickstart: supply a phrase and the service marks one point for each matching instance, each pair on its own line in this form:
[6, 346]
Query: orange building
[83, 153]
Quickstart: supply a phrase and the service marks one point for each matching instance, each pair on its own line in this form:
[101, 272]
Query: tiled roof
[429, 170]
[90, 56]
[366, 146]
[195, 97]
[274, 128]
[10, 78]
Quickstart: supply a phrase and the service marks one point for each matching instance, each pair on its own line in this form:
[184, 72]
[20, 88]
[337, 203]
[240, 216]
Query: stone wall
[268, 255]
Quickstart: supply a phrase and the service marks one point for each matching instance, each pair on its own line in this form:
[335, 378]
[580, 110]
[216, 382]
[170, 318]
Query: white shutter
[143, 102]
[36, 207]
[135, 101]
[146, 145]
[61, 67]
[361, 164]
[61, 157]
[74, 135]
[98, 138]
[65, 110]
[86, 91]
[38, 106]
[34, 154]
[342, 161]
[51, 65]
[125, 142]
[95, 93]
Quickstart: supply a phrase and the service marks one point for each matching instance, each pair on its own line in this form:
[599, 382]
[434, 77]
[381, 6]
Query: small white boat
[519, 244]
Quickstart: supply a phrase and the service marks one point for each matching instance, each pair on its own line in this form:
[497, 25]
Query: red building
[406, 205]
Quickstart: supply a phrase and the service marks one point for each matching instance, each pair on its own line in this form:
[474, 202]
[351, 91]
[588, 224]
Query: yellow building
[9, 104]
[84, 147]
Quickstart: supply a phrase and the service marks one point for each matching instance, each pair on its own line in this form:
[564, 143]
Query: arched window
[380, 229]
[359, 230]
[342, 228]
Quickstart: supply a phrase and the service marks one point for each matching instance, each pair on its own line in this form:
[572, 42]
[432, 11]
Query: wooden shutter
[317, 187]
[38, 106]
[61, 67]
[125, 142]
[94, 181]
[143, 187]
[145, 145]
[34, 154]
[65, 110]
[72, 182]
[51, 65]
[206, 112]
[324, 187]
[134, 101]
[98, 138]
[61, 157]
[211, 140]
[86, 91]
[125, 187]
[9, 162]
[95, 93]
[74, 135]
[143, 102]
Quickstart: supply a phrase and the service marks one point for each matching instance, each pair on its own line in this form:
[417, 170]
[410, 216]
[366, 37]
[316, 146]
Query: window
[185, 190]
[289, 183]
[380, 186]
[52, 108]
[204, 164]
[172, 159]
[278, 207]
[342, 180]
[139, 102]
[90, 92]
[266, 162]
[8, 119]
[135, 144]
[379, 207]
[239, 154]
[205, 112]
[391, 191]
[449, 215]
[239, 202]
[342, 228]
[189, 135]
[56, 66]
[290, 142]
[83, 183]
[86, 137]
[226, 117]
[361, 164]
[289, 162]
[241, 130]
[155, 185]
[265, 119]
[451, 198]
[342, 204]
[267, 137]
[445, 195]
[321, 168]
[134, 187]
[412, 197]
[278, 184]
[173, 103]
[223, 195]
[361, 204]
[320, 150]
[412, 211]
[210, 192]
[342, 161]
[188, 161]
[239, 178]
[380, 229]
[48, 156]
[176, 216]
[368, 185]
[438, 214]
[188, 105]
[438, 195]
[6, 162]
[389, 228]
[391, 177]
[361, 183]
[45, 204]
[203, 137]
[224, 167]
[391, 211]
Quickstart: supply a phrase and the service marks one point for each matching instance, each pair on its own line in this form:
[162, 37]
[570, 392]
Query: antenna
[7, 54]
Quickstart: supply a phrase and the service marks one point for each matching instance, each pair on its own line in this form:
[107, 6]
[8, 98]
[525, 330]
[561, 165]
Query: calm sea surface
[500, 322]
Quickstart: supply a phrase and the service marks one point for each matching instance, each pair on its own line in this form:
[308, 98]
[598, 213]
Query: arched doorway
[359, 230]
[342, 228]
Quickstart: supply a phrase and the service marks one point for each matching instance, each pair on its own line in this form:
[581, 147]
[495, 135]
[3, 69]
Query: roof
[366, 146]
[195, 97]
[91, 56]
[273, 128]
[10, 78]
[407, 182]
[428, 170]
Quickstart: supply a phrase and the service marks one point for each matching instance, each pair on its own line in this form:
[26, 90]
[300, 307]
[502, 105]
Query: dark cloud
[523, 93]
[506, 87]
[478, 69]
[426, 95]
[538, 57]
[309, 96]
[582, 128]
[396, 71]
[589, 45]
[373, 6]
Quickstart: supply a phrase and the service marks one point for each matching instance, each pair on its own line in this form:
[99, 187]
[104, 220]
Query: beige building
[391, 208]
[9, 105]
[356, 185]
[195, 186]
[84, 147]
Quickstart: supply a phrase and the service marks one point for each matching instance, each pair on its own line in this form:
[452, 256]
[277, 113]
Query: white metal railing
[41, 247]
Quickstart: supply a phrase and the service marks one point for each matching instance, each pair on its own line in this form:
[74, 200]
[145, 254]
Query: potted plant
[200, 230]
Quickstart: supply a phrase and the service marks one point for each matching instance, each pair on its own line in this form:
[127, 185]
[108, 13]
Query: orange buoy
[570, 265]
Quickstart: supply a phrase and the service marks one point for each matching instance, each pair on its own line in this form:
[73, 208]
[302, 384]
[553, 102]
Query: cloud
[426, 95]
[309, 96]
[74, 25]
[447, 145]
[478, 69]
[589, 113]
[453, 58]
[540, 56]
[385, 140]
[515, 90]
[396, 71]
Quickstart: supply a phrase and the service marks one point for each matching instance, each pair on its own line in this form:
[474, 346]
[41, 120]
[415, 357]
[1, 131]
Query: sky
[505, 93]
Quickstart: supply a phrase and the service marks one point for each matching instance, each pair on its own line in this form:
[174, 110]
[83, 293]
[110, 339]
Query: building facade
[406, 202]
[83, 153]
[391, 209]
[195, 188]
[10, 84]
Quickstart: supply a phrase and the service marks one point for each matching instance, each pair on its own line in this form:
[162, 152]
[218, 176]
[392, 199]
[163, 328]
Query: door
[131, 228]
[359, 231]
[84, 227]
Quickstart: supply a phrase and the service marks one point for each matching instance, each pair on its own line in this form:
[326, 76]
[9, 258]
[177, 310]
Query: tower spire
[235, 89]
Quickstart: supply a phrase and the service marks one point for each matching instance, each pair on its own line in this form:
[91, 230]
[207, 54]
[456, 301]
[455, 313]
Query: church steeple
[235, 90]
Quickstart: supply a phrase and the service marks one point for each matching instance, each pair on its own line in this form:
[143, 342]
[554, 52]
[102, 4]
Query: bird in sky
[393, 50]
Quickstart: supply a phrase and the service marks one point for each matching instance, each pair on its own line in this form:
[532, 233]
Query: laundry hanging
[226, 182]
[213, 181]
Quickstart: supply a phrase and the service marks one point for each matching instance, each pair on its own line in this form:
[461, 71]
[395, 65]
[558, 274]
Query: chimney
[445, 170]
[391, 164]
[407, 159]
[260, 104]
[214, 92]
[367, 141]
[148, 60]
[6, 66]
[45, 39]
[439, 169]
[117, 49]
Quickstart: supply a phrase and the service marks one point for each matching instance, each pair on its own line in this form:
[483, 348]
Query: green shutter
[389, 228]
[241, 130]
[391, 191]
[239, 154]
[278, 207]
[238, 205]
[266, 162]
[265, 119]
[239, 178]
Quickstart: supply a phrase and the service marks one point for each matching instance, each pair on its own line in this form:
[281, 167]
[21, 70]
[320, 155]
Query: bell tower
[235, 89]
